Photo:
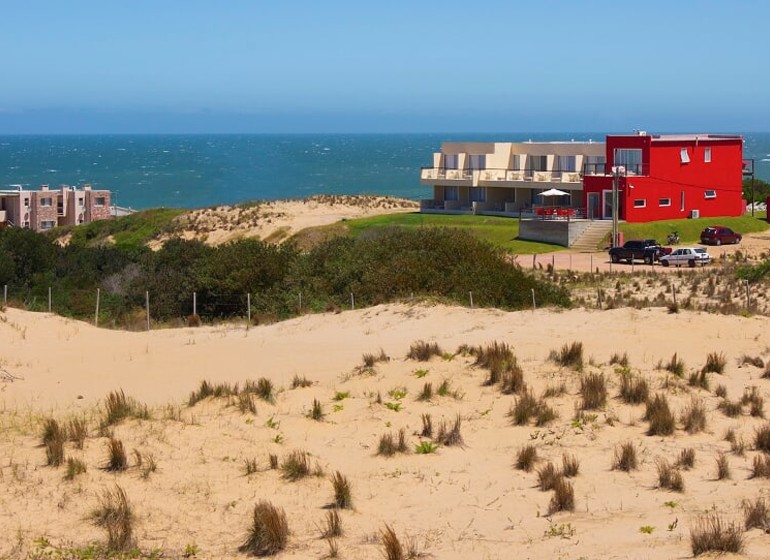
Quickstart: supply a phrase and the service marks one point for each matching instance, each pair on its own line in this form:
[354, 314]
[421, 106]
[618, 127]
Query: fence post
[147, 307]
[591, 267]
[352, 302]
[96, 313]
[748, 296]
[5, 295]
[195, 304]
[673, 291]
[300, 304]
[471, 296]
[534, 258]
[49, 299]
[534, 307]
[248, 310]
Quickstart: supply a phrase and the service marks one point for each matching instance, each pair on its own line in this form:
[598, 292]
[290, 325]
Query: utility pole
[615, 180]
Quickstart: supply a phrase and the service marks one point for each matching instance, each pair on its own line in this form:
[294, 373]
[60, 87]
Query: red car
[717, 235]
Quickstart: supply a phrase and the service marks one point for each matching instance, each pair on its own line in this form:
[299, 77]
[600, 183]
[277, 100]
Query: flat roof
[681, 137]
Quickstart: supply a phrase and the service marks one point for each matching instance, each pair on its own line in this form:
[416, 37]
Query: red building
[667, 177]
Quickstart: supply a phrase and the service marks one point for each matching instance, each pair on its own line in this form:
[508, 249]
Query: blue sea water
[192, 171]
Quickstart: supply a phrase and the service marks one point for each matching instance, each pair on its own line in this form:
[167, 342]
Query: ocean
[193, 171]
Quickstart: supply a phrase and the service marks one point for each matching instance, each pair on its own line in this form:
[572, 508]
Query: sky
[239, 66]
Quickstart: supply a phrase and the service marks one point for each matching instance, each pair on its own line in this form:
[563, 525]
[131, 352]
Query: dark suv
[717, 235]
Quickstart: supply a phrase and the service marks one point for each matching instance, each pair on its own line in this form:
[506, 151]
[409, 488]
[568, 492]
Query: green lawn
[498, 231]
[689, 230]
[503, 231]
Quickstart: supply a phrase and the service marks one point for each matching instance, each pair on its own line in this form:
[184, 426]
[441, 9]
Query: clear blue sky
[81, 66]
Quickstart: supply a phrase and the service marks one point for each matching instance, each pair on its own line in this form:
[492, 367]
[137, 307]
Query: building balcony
[628, 170]
[497, 177]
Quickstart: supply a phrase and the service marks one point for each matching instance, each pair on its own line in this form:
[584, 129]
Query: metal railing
[503, 175]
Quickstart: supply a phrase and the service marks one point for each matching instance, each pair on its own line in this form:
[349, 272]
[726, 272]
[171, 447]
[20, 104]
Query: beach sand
[463, 501]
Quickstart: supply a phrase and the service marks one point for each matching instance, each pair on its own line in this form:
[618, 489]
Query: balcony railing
[492, 175]
[629, 169]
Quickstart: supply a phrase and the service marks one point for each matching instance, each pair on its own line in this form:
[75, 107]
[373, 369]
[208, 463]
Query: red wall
[666, 176]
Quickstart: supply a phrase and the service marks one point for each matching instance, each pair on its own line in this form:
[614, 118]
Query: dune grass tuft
[342, 493]
[53, 439]
[118, 407]
[392, 548]
[333, 525]
[427, 426]
[316, 411]
[694, 417]
[116, 516]
[296, 465]
[711, 533]
[450, 436]
[686, 458]
[563, 498]
[570, 355]
[756, 514]
[74, 468]
[526, 458]
[723, 467]
[659, 415]
[268, 533]
[593, 391]
[547, 477]
[669, 477]
[675, 365]
[117, 460]
[633, 389]
[760, 467]
[625, 457]
[570, 465]
[423, 351]
[762, 438]
[300, 382]
[715, 363]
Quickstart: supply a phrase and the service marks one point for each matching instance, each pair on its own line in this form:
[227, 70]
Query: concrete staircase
[589, 241]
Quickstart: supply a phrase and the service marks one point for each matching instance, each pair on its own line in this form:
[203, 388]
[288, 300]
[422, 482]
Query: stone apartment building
[44, 208]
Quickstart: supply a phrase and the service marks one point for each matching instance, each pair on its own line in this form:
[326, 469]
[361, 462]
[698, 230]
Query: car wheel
[615, 258]
[664, 263]
[737, 240]
[648, 259]
[691, 264]
[718, 242]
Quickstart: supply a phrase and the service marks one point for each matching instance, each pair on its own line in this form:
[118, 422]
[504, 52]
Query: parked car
[689, 256]
[717, 235]
[647, 250]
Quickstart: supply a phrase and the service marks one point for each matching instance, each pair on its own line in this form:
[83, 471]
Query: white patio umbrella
[553, 192]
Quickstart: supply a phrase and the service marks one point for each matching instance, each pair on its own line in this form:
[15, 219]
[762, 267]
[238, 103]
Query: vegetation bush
[381, 267]
[711, 533]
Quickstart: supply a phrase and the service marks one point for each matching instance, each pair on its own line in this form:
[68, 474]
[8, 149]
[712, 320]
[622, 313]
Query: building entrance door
[607, 205]
[593, 206]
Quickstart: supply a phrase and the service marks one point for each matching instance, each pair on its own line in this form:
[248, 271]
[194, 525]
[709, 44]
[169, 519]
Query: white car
[689, 256]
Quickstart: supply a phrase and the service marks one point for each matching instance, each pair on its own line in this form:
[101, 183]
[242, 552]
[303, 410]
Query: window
[707, 155]
[450, 161]
[47, 224]
[478, 194]
[681, 201]
[478, 161]
[630, 159]
[99, 201]
[711, 194]
[566, 163]
[46, 201]
[451, 193]
[684, 156]
[664, 202]
[640, 203]
[537, 163]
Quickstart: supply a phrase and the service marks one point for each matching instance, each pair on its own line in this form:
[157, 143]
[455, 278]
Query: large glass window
[566, 163]
[537, 163]
[630, 159]
[450, 161]
[478, 161]
[478, 194]
[451, 193]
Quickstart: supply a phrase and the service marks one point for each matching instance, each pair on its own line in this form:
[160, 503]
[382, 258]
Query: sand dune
[464, 501]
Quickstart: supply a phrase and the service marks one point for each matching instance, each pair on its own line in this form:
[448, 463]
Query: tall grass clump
[524, 408]
[300, 382]
[633, 389]
[392, 548]
[547, 477]
[342, 493]
[526, 458]
[711, 533]
[715, 363]
[694, 417]
[570, 465]
[264, 389]
[499, 360]
[117, 460]
[686, 458]
[389, 444]
[116, 516]
[699, 379]
[754, 400]
[117, 407]
[77, 431]
[570, 355]
[659, 415]
[756, 514]
[450, 436]
[296, 465]
[423, 351]
[593, 391]
[620, 360]
[723, 467]
[563, 498]
[625, 457]
[316, 411]
[268, 532]
[675, 365]
[762, 438]
[370, 360]
[53, 439]
[760, 467]
[74, 468]
[333, 524]
[669, 477]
